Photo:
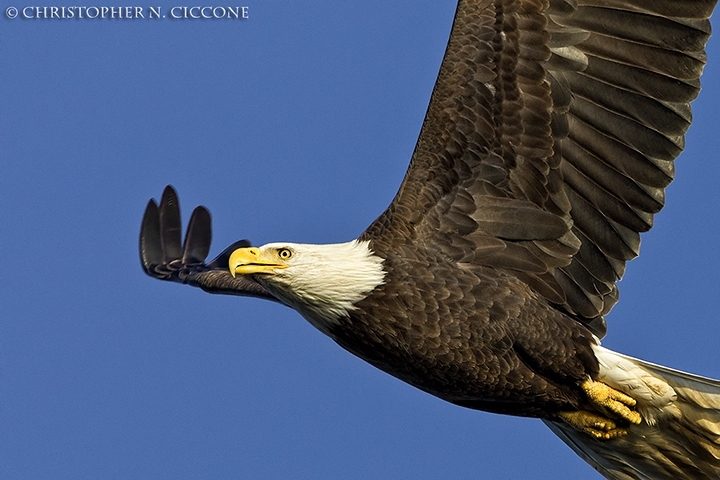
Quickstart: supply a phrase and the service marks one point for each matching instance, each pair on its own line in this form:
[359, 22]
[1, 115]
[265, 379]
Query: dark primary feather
[549, 141]
[164, 257]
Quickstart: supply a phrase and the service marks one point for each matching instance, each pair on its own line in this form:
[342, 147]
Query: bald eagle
[546, 148]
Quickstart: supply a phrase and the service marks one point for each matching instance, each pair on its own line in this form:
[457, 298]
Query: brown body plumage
[544, 154]
[477, 338]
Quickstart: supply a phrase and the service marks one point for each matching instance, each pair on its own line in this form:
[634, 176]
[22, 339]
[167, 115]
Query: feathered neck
[324, 282]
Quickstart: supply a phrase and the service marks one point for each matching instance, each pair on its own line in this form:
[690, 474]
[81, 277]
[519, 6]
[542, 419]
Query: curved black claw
[164, 256]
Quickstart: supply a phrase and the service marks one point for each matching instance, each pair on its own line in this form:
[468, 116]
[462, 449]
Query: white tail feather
[679, 437]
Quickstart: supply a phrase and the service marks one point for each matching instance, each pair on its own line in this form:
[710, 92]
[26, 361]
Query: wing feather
[549, 140]
[163, 256]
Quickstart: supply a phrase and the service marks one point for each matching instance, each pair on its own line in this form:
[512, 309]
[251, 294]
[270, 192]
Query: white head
[321, 282]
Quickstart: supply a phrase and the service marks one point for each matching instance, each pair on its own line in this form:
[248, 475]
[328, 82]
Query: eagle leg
[611, 401]
[593, 424]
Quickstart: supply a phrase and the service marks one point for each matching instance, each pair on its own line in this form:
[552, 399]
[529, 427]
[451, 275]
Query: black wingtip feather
[150, 245]
[163, 256]
[198, 237]
[170, 226]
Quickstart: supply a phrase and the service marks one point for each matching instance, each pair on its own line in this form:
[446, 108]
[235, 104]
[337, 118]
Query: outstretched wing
[549, 140]
[164, 257]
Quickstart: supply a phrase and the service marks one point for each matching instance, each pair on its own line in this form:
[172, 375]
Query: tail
[679, 437]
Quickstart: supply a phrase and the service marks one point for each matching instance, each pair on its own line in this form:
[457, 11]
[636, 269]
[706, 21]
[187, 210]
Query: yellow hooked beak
[249, 260]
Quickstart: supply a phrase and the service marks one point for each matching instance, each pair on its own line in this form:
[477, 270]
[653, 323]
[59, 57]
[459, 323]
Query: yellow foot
[611, 401]
[591, 423]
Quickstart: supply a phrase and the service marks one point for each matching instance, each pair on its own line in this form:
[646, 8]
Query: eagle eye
[284, 253]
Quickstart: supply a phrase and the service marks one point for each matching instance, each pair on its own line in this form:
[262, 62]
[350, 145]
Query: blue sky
[296, 124]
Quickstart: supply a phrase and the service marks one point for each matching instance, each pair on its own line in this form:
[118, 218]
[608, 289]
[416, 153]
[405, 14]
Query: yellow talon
[593, 424]
[611, 401]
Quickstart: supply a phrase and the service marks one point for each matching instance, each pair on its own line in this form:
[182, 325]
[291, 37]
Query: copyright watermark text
[204, 12]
